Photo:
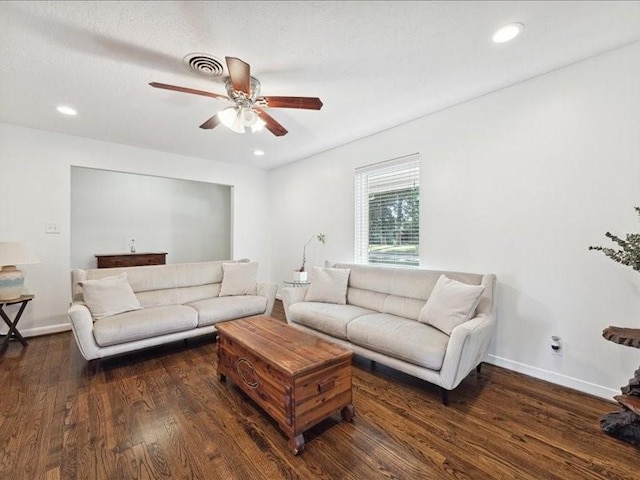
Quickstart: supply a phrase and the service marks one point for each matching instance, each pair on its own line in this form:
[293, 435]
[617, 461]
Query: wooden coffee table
[297, 378]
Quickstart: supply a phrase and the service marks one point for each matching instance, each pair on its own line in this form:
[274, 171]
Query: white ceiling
[373, 64]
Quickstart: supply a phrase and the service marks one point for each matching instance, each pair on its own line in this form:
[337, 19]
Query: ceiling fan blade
[240, 74]
[271, 123]
[213, 122]
[187, 90]
[309, 103]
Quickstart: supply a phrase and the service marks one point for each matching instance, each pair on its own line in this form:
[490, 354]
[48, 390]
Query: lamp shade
[14, 253]
[12, 279]
[239, 119]
[258, 125]
[230, 118]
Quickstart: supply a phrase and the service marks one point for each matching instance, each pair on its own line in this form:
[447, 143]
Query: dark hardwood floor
[163, 413]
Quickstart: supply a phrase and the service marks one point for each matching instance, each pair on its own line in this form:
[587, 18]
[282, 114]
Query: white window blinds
[388, 212]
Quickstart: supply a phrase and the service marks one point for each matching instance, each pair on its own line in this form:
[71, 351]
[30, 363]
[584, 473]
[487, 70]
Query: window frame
[385, 177]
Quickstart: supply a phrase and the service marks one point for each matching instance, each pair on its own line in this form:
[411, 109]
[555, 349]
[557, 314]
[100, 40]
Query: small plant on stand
[624, 424]
[629, 252]
[301, 273]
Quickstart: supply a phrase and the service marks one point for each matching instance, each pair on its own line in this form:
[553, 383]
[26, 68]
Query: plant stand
[625, 424]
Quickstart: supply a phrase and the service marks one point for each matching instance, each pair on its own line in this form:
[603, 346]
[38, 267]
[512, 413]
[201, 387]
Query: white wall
[189, 220]
[518, 182]
[35, 178]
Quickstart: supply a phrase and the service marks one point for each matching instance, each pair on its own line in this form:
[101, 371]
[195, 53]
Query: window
[388, 212]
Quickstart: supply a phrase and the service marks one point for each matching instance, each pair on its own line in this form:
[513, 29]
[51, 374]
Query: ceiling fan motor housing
[237, 96]
[245, 103]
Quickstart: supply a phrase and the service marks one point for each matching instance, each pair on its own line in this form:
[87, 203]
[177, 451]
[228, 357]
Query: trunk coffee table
[297, 378]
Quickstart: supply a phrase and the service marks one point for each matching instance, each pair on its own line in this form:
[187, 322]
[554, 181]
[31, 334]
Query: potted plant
[300, 275]
[629, 252]
[623, 424]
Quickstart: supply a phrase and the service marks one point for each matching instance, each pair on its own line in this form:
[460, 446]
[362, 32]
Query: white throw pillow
[450, 304]
[109, 296]
[328, 285]
[239, 278]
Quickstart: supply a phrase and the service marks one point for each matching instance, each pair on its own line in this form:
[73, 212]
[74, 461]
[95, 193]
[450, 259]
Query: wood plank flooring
[163, 413]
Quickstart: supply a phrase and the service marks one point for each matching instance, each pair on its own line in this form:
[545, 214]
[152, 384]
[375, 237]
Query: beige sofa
[380, 322]
[179, 301]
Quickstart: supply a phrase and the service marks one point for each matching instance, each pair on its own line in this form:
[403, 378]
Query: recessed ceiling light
[66, 110]
[258, 153]
[508, 32]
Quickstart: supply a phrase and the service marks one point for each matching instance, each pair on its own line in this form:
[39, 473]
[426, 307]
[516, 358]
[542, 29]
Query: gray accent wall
[189, 220]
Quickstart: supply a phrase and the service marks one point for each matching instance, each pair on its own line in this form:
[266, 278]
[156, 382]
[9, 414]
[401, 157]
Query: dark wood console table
[131, 259]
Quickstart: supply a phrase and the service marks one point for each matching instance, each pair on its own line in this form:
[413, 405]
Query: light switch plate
[52, 227]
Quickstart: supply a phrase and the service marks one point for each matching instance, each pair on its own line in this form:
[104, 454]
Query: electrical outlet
[556, 346]
[52, 227]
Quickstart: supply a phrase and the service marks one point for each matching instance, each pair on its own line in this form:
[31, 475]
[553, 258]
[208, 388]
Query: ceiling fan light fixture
[258, 125]
[230, 118]
[248, 116]
[238, 125]
[243, 90]
[507, 33]
[239, 119]
[227, 116]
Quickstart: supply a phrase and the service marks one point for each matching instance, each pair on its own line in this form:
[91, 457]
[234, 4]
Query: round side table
[293, 283]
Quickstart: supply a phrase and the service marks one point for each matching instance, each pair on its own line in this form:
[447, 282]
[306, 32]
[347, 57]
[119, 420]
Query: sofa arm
[82, 327]
[468, 345]
[291, 295]
[268, 290]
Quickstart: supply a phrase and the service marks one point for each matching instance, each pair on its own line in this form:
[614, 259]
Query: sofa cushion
[450, 304]
[328, 318]
[178, 296]
[146, 323]
[220, 309]
[328, 285]
[398, 337]
[394, 290]
[404, 282]
[109, 296]
[239, 279]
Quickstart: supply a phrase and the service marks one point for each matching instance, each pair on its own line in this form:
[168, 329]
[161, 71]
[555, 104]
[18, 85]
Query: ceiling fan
[248, 112]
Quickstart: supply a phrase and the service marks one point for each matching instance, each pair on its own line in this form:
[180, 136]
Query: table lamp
[12, 279]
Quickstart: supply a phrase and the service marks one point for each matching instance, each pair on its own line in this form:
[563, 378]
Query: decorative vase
[11, 282]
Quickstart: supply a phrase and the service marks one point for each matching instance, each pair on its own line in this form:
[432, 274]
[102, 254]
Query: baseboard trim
[48, 330]
[554, 377]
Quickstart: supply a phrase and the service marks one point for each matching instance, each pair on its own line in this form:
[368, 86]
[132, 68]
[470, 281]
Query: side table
[13, 325]
[625, 424]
